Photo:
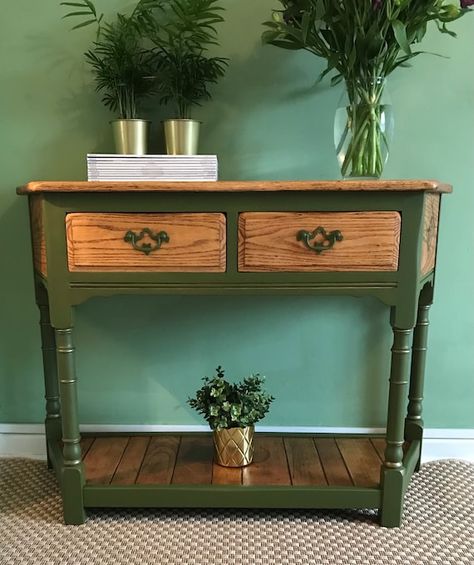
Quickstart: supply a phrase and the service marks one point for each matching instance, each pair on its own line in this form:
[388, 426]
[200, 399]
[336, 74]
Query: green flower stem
[375, 140]
[364, 155]
[353, 156]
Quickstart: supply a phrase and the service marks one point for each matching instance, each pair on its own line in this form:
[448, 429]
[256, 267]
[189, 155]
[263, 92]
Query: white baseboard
[28, 440]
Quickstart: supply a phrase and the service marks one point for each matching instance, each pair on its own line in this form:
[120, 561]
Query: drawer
[319, 241]
[146, 242]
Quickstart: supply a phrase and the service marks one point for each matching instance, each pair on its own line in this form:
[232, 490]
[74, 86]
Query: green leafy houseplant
[227, 405]
[122, 66]
[182, 33]
[363, 42]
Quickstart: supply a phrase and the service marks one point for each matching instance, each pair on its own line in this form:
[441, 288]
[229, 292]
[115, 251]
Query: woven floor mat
[438, 528]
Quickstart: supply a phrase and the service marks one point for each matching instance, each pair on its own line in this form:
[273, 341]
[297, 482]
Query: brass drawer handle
[323, 243]
[147, 248]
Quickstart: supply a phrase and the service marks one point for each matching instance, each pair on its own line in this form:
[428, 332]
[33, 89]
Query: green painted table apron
[367, 238]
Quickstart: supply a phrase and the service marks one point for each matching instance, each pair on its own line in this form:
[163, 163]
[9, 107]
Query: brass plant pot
[181, 136]
[233, 447]
[131, 136]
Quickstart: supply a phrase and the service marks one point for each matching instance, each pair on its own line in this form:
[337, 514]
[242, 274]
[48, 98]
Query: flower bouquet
[363, 41]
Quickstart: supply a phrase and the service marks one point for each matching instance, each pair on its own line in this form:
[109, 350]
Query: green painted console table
[373, 238]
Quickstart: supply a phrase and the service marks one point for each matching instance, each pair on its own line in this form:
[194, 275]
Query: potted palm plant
[182, 34]
[231, 410]
[122, 67]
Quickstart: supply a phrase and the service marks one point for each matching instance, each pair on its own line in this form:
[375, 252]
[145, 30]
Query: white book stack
[105, 167]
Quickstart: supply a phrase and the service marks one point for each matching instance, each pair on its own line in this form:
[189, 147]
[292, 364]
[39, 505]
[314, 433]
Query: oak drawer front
[319, 241]
[146, 242]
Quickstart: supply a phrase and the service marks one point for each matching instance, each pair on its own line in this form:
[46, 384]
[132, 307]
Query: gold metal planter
[234, 446]
[181, 136]
[131, 136]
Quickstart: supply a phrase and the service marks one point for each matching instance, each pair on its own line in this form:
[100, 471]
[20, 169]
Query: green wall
[268, 120]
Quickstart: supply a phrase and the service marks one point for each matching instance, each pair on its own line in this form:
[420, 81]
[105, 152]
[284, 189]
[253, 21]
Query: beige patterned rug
[438, 528]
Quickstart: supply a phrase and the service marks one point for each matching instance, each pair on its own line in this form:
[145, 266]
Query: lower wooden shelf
[283, 460]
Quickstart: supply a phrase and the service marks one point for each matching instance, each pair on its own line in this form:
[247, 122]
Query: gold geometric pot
[131, 136]
[233, 447]
[181, 136]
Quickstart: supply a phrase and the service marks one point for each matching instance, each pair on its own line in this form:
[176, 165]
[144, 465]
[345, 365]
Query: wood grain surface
[194, 461]
[269, 465]
[37, 235]
[361, 459]
[241, 186]
[103, 458]
[159, 461]
[331, 459]
[301, 460]
[380, 445]
[226, 475]
[430, 233]
[129, 466]
[268, 242]
[197, 242]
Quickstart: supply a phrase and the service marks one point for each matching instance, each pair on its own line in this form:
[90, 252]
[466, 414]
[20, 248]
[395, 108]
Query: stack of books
[104, 167]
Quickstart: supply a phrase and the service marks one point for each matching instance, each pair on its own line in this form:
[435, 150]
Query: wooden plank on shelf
[303, 461]
[279, 460]
[159, 460]
[362, 461]
[194, 461]
[129, 466]
[86, 443]
[379, 444]
[103, 458]
[226, 475]
[270, 466]
[332, 462]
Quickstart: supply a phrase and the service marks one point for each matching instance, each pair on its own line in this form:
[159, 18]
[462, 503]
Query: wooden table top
[36, 187]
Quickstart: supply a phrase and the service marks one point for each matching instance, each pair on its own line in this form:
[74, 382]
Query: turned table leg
[392, 473]
[72, 480]
[414, 421]
[51, 384]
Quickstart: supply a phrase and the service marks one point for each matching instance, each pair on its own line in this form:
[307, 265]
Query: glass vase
[363, 128]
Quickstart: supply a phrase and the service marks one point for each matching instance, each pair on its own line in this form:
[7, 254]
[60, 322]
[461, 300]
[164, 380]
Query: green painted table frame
[406, 292]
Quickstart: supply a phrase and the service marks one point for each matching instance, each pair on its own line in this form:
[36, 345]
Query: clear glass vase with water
[363, 128]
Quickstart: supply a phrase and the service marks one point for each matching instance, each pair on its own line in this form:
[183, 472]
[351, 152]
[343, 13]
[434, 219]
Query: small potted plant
[183, 31]
[122, 67]
[231, 410]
